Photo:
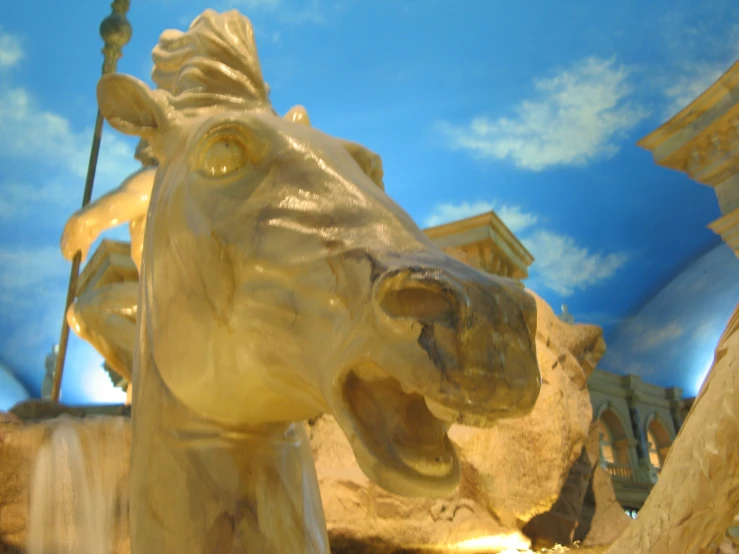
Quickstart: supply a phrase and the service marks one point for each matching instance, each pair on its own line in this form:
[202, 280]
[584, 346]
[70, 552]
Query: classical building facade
[111, 263]
[638, 423]
[703, 142]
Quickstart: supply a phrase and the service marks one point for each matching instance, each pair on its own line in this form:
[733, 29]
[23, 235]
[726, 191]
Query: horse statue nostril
[405, 296]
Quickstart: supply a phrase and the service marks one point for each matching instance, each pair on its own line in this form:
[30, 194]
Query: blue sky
[529, 108]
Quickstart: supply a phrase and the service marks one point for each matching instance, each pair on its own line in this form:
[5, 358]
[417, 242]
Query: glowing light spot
[97, 386]
[499, 544]
[703, 374]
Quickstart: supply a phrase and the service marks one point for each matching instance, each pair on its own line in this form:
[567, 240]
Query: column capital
[633, 398]
[727, 227]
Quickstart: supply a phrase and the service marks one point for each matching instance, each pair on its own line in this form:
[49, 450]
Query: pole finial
[116, 31]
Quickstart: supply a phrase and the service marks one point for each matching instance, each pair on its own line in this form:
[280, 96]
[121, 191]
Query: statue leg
[198, 487]
[106, 318]
[697, 495]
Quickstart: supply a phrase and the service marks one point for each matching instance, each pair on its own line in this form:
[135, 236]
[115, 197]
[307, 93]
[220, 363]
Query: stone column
[642, 450]
[717, 165]
[674, 395]
[645, 472]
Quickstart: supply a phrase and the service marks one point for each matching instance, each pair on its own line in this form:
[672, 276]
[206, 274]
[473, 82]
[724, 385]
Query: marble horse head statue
[279, 281]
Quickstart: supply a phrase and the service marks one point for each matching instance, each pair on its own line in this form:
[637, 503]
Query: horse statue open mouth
[440, 348]
[278, 282]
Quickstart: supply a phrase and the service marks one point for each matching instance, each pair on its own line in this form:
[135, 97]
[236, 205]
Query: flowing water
[78, 501]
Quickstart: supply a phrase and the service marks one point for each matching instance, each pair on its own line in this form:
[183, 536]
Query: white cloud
[703, 332]
[616, 362]
[560, 264]
[579, 115]
[515, 218]
[707, 333]
[564, 267]
[34, 133]
[699, 55]
[601, 318]
[649, 338]
[693, 82]
[10, 50]
[49, 141]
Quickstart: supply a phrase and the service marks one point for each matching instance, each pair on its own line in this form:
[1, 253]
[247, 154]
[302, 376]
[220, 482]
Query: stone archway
[659, 441]
[614, 444]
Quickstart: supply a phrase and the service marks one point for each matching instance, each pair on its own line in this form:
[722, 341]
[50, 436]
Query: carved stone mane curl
[213, 64]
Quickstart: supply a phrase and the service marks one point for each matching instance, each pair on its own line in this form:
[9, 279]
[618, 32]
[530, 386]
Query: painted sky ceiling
[531, 109]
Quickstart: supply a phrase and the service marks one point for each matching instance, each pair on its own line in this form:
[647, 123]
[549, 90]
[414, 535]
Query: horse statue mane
[213, 63]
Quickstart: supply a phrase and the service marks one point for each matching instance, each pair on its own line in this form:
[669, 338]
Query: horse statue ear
[298, 114]
[369, 162]
[130, 106]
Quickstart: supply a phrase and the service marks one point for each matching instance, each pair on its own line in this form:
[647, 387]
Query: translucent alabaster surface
[278, 281]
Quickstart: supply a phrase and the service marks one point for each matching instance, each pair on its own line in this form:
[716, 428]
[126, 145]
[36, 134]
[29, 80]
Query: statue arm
[127, 202]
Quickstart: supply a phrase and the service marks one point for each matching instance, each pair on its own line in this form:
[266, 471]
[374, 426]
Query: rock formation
[19, 446]
[586, 510]
[510, 473]
[697, 496]
[15, 464]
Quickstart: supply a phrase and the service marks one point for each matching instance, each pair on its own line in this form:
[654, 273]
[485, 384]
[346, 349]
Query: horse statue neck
[253, 488]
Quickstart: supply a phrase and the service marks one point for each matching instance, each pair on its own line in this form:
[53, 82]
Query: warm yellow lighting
[606, 443]
[654, 457]
[494, 544]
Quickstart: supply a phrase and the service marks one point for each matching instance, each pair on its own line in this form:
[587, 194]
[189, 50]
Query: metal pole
[116, 32]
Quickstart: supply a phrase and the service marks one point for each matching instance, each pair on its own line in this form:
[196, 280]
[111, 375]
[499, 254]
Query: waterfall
[78, 502]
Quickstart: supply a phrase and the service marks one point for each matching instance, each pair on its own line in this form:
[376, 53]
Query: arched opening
[658, 441]
[606, 443]
[614, 446]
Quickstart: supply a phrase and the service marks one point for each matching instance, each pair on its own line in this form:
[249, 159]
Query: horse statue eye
[222, 156]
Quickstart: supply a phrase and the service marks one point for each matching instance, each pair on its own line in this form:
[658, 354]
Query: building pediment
[484, 242]
[111, 263]
[702, 140]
